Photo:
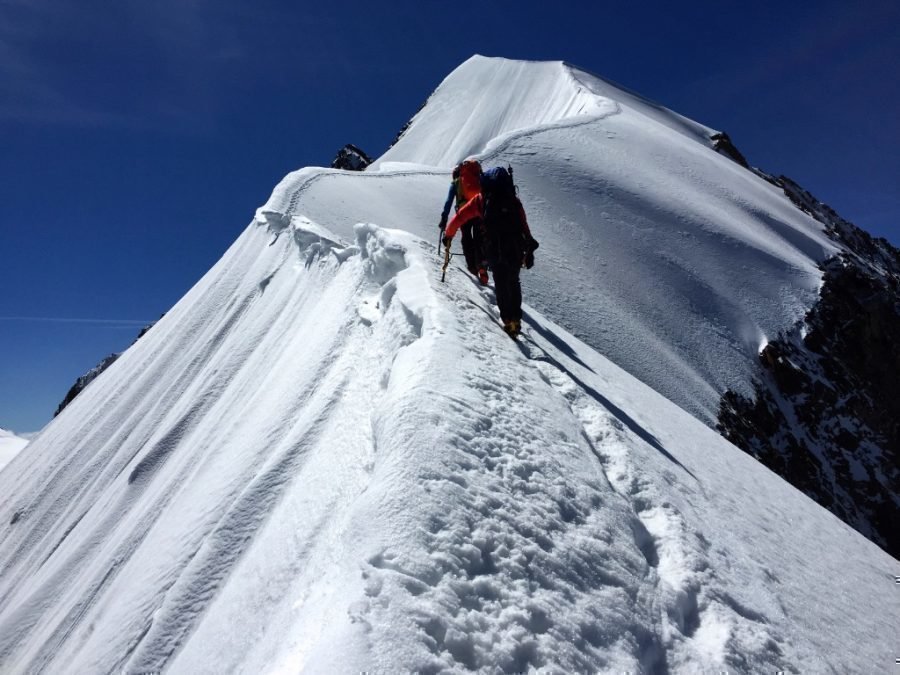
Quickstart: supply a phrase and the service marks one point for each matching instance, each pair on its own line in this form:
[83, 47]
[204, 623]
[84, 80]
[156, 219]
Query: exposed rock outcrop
[722, 143]
[408, 123]
[825, 414]
[351, 158]
[94, 373]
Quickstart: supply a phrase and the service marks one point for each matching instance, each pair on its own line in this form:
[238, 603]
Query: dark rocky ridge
[94, 373]
[722, 143]
[351, 158]
[409, 122]
[825, 414]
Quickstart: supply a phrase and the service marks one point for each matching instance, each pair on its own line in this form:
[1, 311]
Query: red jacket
[474, 209]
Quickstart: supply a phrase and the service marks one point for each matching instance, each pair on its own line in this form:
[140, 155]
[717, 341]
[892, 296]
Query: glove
[528, 263]
[442, 225]
[532, 246]
[446, 241]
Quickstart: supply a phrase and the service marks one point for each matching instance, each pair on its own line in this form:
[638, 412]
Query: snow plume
[324, 459]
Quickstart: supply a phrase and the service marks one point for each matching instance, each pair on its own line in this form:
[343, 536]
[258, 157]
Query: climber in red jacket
[466, 184]
[506, 241]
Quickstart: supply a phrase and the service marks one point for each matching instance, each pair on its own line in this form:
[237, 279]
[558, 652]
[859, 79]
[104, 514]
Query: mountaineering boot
[512, 328]
[483, 276]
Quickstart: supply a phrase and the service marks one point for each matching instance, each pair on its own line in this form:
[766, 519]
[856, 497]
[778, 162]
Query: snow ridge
[331, 478]
[642, 223]
[459, 121]
[323, 459]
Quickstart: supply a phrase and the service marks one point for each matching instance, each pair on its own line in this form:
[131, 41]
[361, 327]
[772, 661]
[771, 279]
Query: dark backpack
[502, 226]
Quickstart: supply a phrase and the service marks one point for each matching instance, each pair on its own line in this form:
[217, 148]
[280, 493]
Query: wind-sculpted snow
[660, 253]
[323, 459]
[486, 100]
[459, 120]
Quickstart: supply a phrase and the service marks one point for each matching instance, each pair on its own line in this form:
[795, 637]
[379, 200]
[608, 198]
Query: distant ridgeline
[825, 414]
[95, 372]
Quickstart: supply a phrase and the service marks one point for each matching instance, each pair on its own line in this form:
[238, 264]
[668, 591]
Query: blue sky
[137, 139]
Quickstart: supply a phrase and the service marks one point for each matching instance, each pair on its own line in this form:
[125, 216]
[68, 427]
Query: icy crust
[323, 460]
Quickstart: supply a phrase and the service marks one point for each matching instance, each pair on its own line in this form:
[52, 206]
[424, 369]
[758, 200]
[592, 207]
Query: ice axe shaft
[446, 263]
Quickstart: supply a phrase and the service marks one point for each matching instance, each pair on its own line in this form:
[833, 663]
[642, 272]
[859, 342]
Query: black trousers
[508, 291]
[472, 247]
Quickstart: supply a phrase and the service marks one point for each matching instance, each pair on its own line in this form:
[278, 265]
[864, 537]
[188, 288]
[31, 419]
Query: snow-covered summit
[486, 99]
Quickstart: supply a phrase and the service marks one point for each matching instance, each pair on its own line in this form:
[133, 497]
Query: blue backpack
[502, 226]
[498, 182]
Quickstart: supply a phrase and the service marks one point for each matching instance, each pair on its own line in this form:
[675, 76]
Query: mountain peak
[487, 99]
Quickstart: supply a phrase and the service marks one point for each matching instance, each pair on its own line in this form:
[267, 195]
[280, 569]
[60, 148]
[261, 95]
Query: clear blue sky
[137, 138]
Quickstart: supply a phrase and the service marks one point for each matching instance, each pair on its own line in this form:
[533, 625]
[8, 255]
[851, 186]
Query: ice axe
[446, 261]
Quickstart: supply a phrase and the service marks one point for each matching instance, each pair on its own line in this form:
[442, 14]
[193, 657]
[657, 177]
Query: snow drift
[10, 446]
[323, 459]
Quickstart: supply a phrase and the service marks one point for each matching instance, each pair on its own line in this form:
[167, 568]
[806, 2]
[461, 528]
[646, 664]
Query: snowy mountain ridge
[567, 509]
[525, 97]
[629, 199]
[323, 459]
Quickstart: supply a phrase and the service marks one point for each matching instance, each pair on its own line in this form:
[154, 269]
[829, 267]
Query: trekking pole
[446, 263]
[440, 239]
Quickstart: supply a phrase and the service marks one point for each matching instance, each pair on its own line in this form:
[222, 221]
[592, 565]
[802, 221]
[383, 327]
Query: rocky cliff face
[93, 374]
[351, 158]
[825, 414]
[84, 381]
[722, 143]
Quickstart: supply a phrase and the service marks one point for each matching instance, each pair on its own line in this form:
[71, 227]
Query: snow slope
[322, 459]
[486, 100]
[308, 464]
[10, 446]
[665, 256]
